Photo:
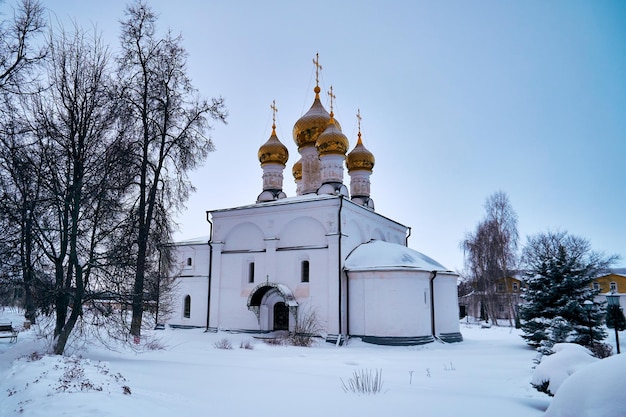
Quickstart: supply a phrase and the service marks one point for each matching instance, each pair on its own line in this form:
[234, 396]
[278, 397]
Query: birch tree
[491, 251]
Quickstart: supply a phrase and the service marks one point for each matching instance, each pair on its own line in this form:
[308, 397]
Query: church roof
[379, 255]
[201, 240]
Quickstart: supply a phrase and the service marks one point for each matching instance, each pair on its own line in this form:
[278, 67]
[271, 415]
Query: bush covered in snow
[595, 390]
[556, 368]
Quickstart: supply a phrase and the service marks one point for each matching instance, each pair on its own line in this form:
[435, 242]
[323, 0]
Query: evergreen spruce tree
[560, 269]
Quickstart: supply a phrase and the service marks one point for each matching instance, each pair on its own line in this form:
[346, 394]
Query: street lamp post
[588, 304]
[614, 313]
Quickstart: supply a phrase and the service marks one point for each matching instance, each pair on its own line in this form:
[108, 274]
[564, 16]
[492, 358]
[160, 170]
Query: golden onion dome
[273, 151]
[331, 140]
[297, 170]
[312, 124]
[360, 158]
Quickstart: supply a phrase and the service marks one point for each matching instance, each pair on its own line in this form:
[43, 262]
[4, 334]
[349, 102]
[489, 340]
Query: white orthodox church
[324, 250]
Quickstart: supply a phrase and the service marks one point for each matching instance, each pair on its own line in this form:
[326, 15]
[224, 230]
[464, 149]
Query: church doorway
[273, 304]
[281, 316]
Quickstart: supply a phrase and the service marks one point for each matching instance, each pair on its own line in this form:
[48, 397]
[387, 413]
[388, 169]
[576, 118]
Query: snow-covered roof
[306, 198]
[282, 201]
[377, 254]
[202, 240]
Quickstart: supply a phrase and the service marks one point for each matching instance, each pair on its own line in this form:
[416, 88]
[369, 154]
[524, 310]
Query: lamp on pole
[588, 305]
[615, 315]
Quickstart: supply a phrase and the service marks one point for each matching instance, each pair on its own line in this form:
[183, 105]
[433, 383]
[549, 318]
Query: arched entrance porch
[274, 305]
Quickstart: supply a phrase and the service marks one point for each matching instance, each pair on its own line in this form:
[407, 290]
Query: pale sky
[459, 99]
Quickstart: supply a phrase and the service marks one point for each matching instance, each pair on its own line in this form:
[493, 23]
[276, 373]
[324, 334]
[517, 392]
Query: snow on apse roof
[377, 254]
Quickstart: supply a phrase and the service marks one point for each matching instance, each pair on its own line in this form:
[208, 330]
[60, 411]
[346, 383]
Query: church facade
[325, 250]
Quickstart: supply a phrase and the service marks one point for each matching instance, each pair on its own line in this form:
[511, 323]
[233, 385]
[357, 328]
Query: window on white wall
[187, 307]
[304, 277]
[251, 272]
[189, 261]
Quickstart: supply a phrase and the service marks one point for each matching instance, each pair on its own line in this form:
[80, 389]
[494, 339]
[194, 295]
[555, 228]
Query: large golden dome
[360, 158]
[273, 151]
[297, 170]
[331, 140]
[312, 124]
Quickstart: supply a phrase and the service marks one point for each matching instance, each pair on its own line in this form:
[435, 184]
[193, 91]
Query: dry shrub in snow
[223, 344]
[246, 345]
[364, 381]
[275, 341]
[308, 327]
[601, 350]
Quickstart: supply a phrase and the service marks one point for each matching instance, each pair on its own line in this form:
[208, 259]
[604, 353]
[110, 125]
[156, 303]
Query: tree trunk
[137, 307]
[64, 334]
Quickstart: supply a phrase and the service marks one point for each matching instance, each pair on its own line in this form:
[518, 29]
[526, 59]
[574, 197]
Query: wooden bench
[8, 332]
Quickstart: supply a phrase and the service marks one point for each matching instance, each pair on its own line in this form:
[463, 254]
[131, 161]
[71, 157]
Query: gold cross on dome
[274, 111]
[332, 97]
[318, 68]
[358, 116]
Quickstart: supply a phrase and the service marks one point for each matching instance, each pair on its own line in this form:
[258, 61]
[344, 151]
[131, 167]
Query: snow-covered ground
[488, 374]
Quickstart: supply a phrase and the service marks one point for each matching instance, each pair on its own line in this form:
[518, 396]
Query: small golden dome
[331, 140]
[360, 158]
[297, 170]
[312, 124]
[273, 151]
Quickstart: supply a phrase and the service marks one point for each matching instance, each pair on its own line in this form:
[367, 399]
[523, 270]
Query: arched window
[304, 277]
[189, 261]
[187, 307]
[251, 272]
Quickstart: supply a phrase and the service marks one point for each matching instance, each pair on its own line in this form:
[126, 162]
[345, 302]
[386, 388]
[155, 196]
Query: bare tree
[167, 126]
[20, 188]
[83, 172]
[20, 52]
[18, 46]
[491, 252]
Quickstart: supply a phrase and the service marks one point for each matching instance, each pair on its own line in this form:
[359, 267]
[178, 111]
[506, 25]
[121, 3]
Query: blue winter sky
[459, 99]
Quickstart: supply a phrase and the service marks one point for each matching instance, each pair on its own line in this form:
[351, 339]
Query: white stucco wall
[446, 303]
[192, 280]
[196, 288]
[277, 237]
[389, 303]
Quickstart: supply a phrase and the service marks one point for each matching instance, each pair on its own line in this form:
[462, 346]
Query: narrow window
[187, 307]
[305, 271]
[251, 272]
[596, 286]
[189, 261]
[614, 286]
[515, 286]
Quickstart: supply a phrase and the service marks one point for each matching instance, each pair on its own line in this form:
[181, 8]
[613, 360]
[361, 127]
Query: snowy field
[487, 375]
